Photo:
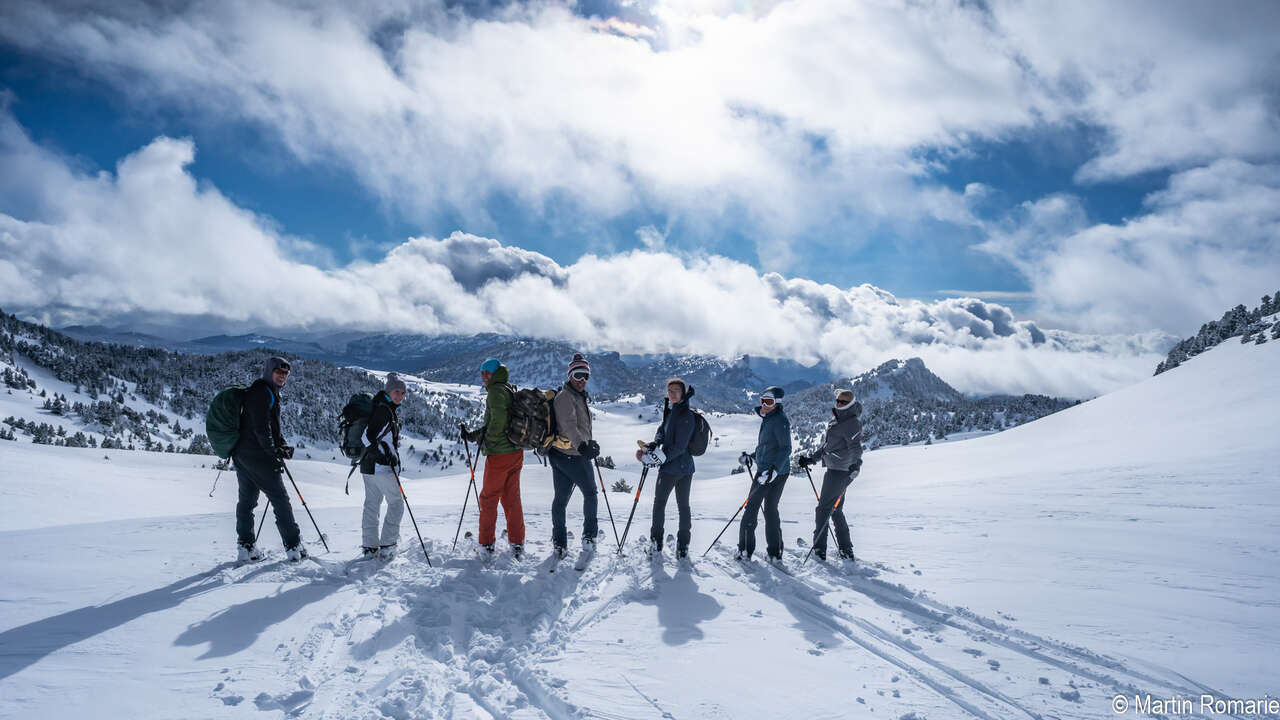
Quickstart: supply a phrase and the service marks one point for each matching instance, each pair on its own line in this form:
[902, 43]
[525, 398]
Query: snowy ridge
[1034, 573]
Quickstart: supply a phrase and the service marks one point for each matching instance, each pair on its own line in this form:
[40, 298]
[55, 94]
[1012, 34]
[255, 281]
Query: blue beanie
[491, 365]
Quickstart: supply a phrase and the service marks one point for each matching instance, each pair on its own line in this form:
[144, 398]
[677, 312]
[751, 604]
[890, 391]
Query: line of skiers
[260, 454]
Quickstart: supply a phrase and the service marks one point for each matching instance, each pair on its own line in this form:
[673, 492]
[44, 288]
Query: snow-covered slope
[1125, 546]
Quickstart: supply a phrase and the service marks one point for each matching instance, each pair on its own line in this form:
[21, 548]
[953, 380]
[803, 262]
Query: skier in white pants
[382, 438]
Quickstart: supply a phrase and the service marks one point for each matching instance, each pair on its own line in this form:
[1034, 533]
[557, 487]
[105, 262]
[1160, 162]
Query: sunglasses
[281, 371]
[580, 376]
[766, 401]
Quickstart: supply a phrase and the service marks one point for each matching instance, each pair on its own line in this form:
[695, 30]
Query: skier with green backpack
[245, 425]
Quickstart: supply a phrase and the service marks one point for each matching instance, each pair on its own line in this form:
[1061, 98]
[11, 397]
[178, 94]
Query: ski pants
[378, 487]
[567, 472]
[666, 483]
[501, 485]
[834, 483]
[767, 495]
[254, 478]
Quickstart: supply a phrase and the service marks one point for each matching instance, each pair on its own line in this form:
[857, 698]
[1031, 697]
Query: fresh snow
[1127, 545]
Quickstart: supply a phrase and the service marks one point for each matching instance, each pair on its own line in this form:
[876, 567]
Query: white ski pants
[378, 487]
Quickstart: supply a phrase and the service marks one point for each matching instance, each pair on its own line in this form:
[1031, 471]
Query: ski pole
[304, 506]
[735, 517]
[833, 532]
[262, 522]
[819, 499]
[605, 493]
[411, 518]
[215, 482]
[470, 486]
[639, 488]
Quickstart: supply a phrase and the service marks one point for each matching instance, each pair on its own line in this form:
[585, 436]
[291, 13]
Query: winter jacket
[673, 437]
[841, 449]
[492, 433]
[384, 430]
[259, 424]
[573, 418]
[773, 447]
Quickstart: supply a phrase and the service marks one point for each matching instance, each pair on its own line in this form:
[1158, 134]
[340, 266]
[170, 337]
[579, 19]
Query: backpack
[529, 420]
[353, 422]
[222, 421]
[701, 435]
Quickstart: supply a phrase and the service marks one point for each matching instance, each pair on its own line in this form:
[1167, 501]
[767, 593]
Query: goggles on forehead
[579, 375]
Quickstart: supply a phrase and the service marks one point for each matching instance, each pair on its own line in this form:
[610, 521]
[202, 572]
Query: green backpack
[222, 422]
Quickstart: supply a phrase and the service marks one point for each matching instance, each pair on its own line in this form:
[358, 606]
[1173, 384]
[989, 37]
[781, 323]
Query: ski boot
[517, 550]
[296, 553]
[386, 552]
[248, 553]
[367, 553]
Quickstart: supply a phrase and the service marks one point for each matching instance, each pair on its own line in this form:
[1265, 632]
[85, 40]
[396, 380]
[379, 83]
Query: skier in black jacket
[259, 456]
[379, 467]
[841, 453]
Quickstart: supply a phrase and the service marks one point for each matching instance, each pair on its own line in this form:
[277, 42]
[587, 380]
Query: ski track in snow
[417, 641]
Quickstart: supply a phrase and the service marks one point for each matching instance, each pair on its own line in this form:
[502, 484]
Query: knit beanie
[579, 363]
[394, 383]
[491, 365]
[773, 393]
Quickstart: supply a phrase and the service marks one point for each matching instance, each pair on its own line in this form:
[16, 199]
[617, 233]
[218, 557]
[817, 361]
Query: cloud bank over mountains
[792, 125]
[150, 239]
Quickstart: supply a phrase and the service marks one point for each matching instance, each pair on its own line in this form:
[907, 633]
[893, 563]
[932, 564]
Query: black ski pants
[834, 484]
[255, 477]
[568, 472]
[666, 483]
[767, 496]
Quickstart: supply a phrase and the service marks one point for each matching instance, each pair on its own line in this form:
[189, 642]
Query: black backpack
[701, 434]
[353, 422]
[529, 419]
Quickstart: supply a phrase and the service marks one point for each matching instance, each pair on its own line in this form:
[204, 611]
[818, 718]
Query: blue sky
[1106, 172]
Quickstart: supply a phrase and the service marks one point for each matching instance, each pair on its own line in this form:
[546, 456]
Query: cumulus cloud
[1209, 240]
[149, 239]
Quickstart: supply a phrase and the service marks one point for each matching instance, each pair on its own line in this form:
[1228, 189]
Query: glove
[804, 461]
[388, 454]
[764, 478]
[651, 446]
[462, 431]
[285, 452]
[746, 458]
[589, 450]
[279, 462]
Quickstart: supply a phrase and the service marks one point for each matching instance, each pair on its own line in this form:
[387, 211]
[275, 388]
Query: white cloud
[149, 240]
[1210, 240]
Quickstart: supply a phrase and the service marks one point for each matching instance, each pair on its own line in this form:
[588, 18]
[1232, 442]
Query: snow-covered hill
[1122, 547]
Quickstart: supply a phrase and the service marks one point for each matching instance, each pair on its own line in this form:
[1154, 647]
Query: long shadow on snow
[26, 645]
[236, 628]
[681, 606]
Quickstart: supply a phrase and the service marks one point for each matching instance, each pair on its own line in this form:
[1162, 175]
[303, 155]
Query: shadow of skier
[681, 606]
[28, 644]
[236, 628]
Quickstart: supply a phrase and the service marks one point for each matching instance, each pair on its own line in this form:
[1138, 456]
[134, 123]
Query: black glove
[651, 447]
[745, 458]
[285, 452]
[387, 456]
[279, 462]
[856, 467]
[804, 461]
[589, 450]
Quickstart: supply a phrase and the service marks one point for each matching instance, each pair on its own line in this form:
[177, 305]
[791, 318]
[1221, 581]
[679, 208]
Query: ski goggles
[767, 401]
[281, 370]
[579, 375]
